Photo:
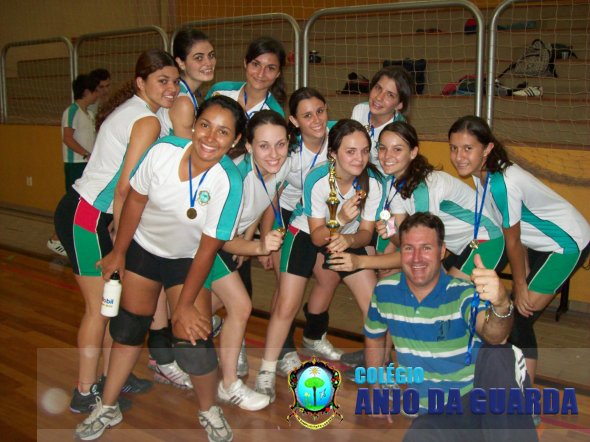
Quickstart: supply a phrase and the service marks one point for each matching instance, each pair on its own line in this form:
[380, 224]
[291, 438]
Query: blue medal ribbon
[249, 114]
[397, 189]
[193, 196]
[192, 96]
[275, 210]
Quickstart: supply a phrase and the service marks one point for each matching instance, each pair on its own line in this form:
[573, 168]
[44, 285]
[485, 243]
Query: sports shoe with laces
[56, 247]
[101, 418]
[243, 396]
[288, 363]
[265, 384]
[133, 384]
[530, 91]
[322, 348]
[215, 424]
[170, 374]
[354, 359]
[243, 366]
[84, 403]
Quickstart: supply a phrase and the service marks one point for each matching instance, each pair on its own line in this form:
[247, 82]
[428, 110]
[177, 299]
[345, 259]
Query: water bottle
[111, 296]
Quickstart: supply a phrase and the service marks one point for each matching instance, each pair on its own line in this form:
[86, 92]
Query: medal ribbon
[275, 210]
[370, 126]
[397, 188]
[193, 98]
[193, 196]
[355, 185]
[249, 114]
[315, 158]
[479, 211]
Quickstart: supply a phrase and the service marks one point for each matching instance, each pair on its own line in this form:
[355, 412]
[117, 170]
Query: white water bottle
[111, 296]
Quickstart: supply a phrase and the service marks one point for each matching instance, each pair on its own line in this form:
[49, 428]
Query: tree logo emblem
[314, 386]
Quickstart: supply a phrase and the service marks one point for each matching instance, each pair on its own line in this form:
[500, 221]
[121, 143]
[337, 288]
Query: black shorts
[168, 272]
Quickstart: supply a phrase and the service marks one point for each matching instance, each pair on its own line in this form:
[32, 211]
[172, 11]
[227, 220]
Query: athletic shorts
[83, 232]
[492, 252]
[222, 266]
[550, 270]
[72, 172]
[359, 251]
[298, 253]
[168, 272]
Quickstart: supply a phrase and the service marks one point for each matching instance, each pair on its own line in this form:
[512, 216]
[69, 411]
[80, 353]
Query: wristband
[507, 315]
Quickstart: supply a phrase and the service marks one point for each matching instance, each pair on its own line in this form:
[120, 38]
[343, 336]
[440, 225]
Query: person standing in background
[77, 135]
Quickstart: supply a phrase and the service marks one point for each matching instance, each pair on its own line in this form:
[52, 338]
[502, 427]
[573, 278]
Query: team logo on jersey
[203, 197]
[314, 385]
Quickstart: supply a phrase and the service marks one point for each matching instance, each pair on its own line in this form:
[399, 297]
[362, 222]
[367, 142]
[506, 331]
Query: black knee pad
[160, 345]
[128, 328]
[523, 334]
[196, 360]
[315, 324]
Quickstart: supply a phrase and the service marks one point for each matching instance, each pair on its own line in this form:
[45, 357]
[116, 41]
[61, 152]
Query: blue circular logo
[315, 390]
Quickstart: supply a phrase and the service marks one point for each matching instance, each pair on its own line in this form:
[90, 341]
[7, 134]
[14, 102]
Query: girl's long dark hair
[303, 93]
[148, 62]
[341, 129]
[269, 45]
[419, 168]
[497, 160]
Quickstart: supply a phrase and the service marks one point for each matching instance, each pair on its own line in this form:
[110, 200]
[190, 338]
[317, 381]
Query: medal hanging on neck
[191, 95]
[385, 214]
[474, 244]
[191, 212]
[249, 114]
[276, 210]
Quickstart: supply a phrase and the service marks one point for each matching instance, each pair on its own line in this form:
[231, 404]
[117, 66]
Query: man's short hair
[82, 83]
[425, 219]
[101, 74]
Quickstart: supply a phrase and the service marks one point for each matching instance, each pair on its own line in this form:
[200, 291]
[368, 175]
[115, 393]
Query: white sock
[270, 366]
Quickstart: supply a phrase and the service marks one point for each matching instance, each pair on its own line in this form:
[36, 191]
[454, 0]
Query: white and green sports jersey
[84, 133]
[302, 161]
[453, 202]
[232, 89]
[316, 190]
[98, 182]
[548, 223]
[163, 113]
[256, 199]
[165, 230]
[360, 113]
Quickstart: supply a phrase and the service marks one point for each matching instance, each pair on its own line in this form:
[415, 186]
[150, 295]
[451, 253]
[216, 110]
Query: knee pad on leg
[128, 328]
[160, 345]
[196, 360]
[523, 334]
[315, 324]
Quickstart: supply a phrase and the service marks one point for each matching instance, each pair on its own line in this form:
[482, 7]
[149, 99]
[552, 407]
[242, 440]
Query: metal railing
[405, 6]
[3, 92]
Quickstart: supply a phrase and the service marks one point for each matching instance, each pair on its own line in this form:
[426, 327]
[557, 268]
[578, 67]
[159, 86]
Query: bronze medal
[361, 194]
[191, 213]
[282, 230]
[474, 244]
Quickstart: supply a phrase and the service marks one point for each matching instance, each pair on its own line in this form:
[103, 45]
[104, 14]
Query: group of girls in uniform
[176, 216]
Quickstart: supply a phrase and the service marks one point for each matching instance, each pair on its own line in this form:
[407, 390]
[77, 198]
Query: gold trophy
[333, 202]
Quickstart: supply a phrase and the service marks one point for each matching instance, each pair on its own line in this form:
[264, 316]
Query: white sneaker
[100, 419]
[171, 374]
[288, 363]
[243, 366]
[265, 384]
[215, 424]
[322, 348]
[243, 396]
[530, 91]
[55, 246]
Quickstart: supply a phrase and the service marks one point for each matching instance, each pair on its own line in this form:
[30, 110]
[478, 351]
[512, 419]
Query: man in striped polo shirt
[427, 313]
